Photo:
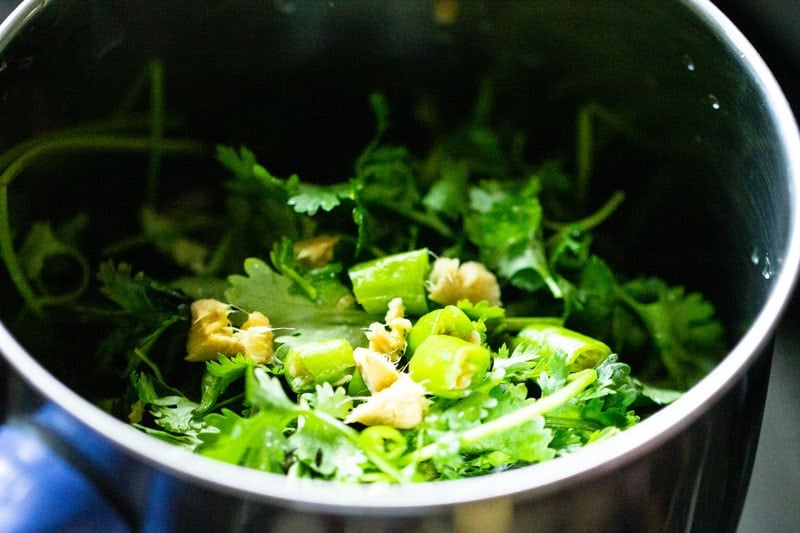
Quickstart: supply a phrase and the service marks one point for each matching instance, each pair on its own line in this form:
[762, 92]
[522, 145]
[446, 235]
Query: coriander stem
[428, 220]
[156, 131]
[66, 143]
[115, 124]
[580, 380]
[595, 219]
[584, 153]
[10, 258]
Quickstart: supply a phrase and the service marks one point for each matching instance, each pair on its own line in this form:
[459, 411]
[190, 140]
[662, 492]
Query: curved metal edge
[18, 18]
[418, 499]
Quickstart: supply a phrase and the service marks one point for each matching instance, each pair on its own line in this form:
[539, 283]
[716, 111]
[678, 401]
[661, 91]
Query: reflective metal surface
[773, 26]
[680, 72]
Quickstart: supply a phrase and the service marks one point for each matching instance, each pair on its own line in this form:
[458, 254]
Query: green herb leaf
[507, 228]
[264, 290]
[324, 448]
[257, 442]
[682, 327]
[138, 295]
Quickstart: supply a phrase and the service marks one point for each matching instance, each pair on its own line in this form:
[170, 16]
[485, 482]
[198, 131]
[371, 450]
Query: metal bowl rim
[535, 480]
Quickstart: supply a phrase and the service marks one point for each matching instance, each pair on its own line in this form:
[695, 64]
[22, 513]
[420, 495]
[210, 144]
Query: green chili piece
[448, 366]
[313, 363]
[377, 282]
[385, 441]
[450, 320]
[357, 385]
[210, 391]
[582, 351]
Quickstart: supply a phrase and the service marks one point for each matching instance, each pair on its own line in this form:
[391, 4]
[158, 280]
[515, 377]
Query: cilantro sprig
[471, 196]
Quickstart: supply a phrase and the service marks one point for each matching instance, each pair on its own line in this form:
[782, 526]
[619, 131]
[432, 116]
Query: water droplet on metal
[767, 271]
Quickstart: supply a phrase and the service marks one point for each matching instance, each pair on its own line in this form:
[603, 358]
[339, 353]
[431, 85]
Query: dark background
[773, 501]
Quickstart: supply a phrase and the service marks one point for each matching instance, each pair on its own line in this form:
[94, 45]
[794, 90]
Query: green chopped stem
[584, 148]
[380, 109]
[220, 253]
[116, 124]
[142, 351]
[552, 284]
[85, 142]
[10, 258]
[484, 104]
[570, 423]
[146, 360]
[593, 220]
[237, 400]
[429, 220]
[580, 380]
[56, 299]
[156, 131]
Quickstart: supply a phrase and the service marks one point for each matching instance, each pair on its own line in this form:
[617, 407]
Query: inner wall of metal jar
[292, 82]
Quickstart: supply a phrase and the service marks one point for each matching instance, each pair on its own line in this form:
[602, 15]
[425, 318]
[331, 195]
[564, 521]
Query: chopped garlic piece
[385, 341]
[396, 310]
[401, 405]
[450, 282]
[377, 371]
[212, 334]
[255, 336]
[390, 338]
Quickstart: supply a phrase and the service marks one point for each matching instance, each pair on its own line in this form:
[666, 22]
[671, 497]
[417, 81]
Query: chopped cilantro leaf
[486, 400]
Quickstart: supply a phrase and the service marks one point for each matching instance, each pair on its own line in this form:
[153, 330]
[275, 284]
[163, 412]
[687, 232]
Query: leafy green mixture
[433, 316]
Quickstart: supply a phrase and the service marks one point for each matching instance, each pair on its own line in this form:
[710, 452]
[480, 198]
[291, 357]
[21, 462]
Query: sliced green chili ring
[377, 282]
[313, 363]
[448, 366]
[450, 320]
[385, 441]
[581, 350]
[357, 385]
